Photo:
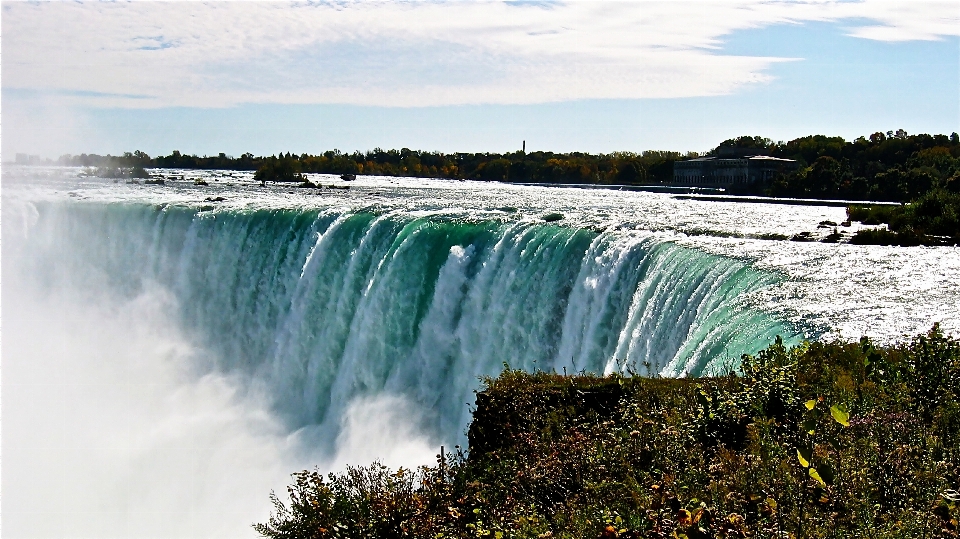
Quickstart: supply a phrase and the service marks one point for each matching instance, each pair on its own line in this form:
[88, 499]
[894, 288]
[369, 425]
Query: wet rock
[833, 237]
[552, 217]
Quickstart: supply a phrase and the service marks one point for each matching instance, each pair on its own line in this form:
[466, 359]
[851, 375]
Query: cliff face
[521, 416]
[517, 405]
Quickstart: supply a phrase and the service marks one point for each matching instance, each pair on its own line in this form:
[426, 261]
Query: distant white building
[729, 171]
[24, 159]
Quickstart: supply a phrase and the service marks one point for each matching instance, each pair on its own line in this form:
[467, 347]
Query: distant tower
[524, 146]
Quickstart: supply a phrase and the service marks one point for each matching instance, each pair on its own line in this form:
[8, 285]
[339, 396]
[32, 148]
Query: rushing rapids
[324, 306]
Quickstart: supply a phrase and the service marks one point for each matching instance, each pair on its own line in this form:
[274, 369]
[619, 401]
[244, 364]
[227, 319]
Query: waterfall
[321, 307]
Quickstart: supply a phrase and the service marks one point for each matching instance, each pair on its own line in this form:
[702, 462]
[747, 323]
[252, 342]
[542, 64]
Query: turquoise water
[323, 306]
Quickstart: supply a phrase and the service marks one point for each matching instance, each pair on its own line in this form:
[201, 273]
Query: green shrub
[823, 440]
[872, 215]
[933, 219]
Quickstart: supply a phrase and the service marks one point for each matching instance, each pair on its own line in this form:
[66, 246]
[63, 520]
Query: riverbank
[710, 194]
[809, 442]
[787, 201]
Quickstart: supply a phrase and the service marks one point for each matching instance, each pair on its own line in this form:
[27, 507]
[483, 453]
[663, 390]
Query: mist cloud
[116, 422]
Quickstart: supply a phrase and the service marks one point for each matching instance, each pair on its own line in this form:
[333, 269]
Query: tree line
[892, 166]
[534, 167]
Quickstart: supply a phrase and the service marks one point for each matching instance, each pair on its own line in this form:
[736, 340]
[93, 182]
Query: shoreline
[714, 194]
[710, 194]
[788, 201]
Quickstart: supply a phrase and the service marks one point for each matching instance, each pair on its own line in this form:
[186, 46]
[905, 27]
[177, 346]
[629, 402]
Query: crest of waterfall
[319, 307]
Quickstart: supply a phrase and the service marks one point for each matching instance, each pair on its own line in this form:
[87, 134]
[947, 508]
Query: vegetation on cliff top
[819, 441]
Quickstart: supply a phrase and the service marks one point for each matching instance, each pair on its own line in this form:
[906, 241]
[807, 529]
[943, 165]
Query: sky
[593, 76]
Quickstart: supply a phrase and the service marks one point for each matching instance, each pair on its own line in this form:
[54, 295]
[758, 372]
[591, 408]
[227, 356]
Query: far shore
[714, 194]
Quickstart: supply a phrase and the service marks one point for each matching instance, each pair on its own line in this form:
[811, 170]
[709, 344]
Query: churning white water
[172, 352]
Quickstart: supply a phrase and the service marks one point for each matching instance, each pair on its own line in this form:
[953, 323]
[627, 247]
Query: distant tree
[629, 173]
[823, 178]
[494, 170]
[279, 170]
[745, 142]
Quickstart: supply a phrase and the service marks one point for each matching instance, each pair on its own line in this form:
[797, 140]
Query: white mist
[114, 425]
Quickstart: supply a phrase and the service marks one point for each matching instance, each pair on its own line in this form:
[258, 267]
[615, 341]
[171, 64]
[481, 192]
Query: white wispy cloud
[152, 54]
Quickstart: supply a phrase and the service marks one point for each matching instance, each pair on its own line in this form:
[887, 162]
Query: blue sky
[470, 76]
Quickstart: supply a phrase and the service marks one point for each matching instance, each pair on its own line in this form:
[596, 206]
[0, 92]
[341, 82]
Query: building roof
[754, 157]
[768, 158]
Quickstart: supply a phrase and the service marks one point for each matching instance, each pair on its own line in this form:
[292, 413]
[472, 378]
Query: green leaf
[703, 399]
[810, 404]
[816, 476]
[809, 425]
[834, 442]
[839, 412]
[804, 455]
